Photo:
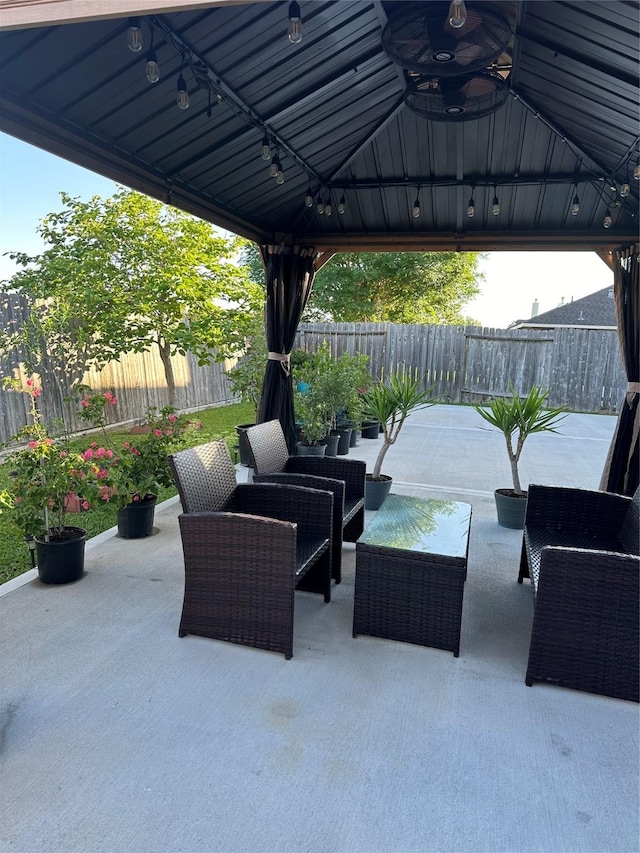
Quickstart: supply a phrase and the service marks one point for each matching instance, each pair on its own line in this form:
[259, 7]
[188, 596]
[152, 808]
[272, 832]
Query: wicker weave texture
[242, 564]
[415, 598]
[580, 549]
[270, 454]
[336, 487]
[585, 631]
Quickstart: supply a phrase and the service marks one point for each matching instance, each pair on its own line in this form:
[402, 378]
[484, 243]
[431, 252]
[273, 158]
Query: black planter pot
[376, 491]
[510, 508]
[310, 449]
[135, 520]
[344, 435]
[331, 444]
[353, 439]
[370, 429]
[243, 444]
[61, 560]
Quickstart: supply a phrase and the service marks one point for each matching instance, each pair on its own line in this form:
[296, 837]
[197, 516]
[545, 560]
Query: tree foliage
[125, 274]
[397, 287]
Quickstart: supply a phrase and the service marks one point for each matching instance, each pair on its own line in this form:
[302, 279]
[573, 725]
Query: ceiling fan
[461, 98]
[420, 38]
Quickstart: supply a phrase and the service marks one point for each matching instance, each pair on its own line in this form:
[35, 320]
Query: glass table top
[420, 524]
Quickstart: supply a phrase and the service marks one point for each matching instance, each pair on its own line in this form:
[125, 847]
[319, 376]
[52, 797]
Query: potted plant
[390, 403]
[45, 472]
[133, 476]
[518, 418]
[311, 413]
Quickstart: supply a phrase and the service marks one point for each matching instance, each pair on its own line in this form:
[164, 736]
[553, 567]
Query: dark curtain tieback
[284, 358]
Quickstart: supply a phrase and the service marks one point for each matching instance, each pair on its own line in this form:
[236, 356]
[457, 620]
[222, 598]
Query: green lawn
[217, 422]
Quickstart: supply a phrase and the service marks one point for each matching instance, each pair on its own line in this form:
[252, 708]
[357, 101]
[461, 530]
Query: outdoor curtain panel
[289, 275]
[621, 471]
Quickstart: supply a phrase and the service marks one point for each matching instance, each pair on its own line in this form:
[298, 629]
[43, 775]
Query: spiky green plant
[390, 402]
[518, 418]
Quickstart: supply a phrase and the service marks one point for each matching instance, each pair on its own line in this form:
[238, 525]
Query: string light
[495, 205]
[636, 173]
[320, 206]
[342, 205]
[625, 189]
[153, 69]
[308, 199]
[607, 222]
[575, 204]
[183, 94]
[266, 148]
[328, 210]
[134, 35]
[457, 14]
[295, 23]
[279, 172]
[416, 208]
[471, 207]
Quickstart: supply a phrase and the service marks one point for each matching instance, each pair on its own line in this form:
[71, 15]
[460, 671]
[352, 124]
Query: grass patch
[218, 422]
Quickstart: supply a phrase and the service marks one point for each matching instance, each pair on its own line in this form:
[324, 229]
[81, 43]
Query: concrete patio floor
[118, 736]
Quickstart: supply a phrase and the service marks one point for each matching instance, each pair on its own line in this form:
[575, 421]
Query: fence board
[580, 367]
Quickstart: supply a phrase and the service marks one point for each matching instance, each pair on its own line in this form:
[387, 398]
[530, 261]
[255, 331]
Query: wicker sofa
[580, 549]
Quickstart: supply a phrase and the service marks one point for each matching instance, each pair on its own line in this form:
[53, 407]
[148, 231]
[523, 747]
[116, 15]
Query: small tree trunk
[380, 460]
[165, 356]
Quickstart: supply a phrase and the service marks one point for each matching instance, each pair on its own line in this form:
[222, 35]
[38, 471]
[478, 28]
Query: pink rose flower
[37, 392]
[157, 432]
[84, 404]
[88, 453]
[29, 383]
[172, 418]
[33, 445]
[109, 454]
[85, 504]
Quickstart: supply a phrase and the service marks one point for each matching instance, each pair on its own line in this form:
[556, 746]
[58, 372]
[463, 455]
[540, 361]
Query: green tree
[397, 287]
[126, 274]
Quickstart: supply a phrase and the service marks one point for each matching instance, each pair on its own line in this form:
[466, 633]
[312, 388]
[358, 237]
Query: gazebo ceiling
[334, 112]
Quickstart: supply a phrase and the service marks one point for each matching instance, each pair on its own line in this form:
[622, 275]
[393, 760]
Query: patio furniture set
[248, 547]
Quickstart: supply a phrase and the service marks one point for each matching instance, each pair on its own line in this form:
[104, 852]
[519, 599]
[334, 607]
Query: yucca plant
[390, 402]
[518, 418]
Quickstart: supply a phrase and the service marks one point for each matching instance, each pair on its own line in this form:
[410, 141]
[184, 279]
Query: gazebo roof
[333, 109]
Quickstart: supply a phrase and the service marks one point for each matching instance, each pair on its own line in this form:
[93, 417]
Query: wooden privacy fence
[468, 364]
[136, 379]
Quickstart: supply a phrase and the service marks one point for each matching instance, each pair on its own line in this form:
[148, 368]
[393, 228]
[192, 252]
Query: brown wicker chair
[580, 548]
[247, 547]
[345, 478]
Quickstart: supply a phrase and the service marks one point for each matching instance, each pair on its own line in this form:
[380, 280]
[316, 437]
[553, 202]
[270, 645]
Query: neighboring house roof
[595, 311]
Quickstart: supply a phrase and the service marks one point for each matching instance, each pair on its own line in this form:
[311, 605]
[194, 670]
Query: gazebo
[319, 127]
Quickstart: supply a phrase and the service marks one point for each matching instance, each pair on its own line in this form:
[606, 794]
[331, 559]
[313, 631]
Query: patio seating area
[119, 736]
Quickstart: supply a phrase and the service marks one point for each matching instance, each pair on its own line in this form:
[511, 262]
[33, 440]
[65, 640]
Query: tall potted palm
[518, 418]
[390, 403]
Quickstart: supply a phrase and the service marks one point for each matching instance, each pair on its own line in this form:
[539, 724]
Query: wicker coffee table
[411, 565]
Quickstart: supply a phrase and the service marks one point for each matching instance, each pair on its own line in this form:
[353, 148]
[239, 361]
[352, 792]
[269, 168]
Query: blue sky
[31, 181]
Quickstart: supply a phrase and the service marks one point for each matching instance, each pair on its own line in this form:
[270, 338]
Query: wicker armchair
[345, 478]
[247, 547]
[580, 549]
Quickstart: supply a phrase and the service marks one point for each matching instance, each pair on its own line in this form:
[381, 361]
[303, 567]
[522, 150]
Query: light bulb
[636, 172]
[279, 174]
[328, 210]
[134, 35]
[457, 14]
[308, 199]
[495, 209]
[575, 205]
[625, 189]
[471, 208]
[273, 169]
[183, 94]
[320, 206]
[341, 206]
[295, 23]
[153, 69]
[266, 148]
[607, 222]
[416, 208]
